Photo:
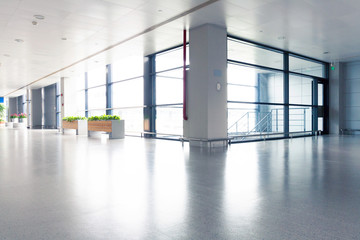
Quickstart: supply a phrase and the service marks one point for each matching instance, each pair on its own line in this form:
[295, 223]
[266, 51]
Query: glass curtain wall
[96, 91]
[128, 92]
[169, 92]
[270, 94]
[80, 95]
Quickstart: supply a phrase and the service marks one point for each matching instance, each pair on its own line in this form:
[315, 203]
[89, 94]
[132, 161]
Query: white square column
[207, 87]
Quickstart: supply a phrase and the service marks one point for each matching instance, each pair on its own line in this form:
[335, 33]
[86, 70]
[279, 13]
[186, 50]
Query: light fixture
[64, 38]
[160, 11]
[6, 55]
[326, 52]
[281, 37]
[34, 23]
[19, 40]
[40, 17]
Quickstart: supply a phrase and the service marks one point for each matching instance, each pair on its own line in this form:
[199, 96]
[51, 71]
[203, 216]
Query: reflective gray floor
[55, 186]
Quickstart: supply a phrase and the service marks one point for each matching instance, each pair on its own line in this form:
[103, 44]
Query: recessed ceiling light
[19, 40]
[282, 38]
[40, 17]
[325, 52]
[261, 31]
[160, 11]
[6, 55]
[64, 38]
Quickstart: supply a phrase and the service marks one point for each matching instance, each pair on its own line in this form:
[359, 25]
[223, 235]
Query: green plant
[2, 110]
[104, 118]
[14, 115]
[72, 119]
[2, 120]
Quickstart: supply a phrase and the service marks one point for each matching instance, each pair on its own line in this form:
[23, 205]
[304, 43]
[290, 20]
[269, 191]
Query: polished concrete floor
[55, 186]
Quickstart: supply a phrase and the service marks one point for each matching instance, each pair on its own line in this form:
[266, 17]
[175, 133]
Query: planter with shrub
[77, 123]
[111, 124]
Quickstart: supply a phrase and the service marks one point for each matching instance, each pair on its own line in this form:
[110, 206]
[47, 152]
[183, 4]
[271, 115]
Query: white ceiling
[140, 27]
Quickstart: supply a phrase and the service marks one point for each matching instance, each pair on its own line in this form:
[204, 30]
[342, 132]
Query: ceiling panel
[308, 27]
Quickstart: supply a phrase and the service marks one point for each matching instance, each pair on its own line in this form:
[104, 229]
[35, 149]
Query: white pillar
[207, 86]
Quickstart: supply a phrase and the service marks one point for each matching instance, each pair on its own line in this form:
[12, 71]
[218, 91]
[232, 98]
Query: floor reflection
[71, 187]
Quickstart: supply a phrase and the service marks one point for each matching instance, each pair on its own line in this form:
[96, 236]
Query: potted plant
[22, 118]
[2, 123]
[14, 118]
[107, 123]
[77, 123]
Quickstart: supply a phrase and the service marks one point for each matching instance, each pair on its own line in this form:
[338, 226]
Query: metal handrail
[270, 114]
[240, 119]
[290, 134]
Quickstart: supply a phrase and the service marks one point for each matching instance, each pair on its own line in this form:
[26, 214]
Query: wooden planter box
[116, 128]
[80, 126]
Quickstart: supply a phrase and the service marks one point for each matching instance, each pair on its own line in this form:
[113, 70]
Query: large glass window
[169, 120]
[251, 121]
[300, 119]
[171, 59]
[256, 92]
[97, 77]
[80, 94]
[128, 92]
[169, 87]
[127, 68]
[97, 99]
[96, 91]
[300, 90]
[133, 117]
[321, 94]
[308, 67]
[248, 84]
[169, 92]
[249, 53]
